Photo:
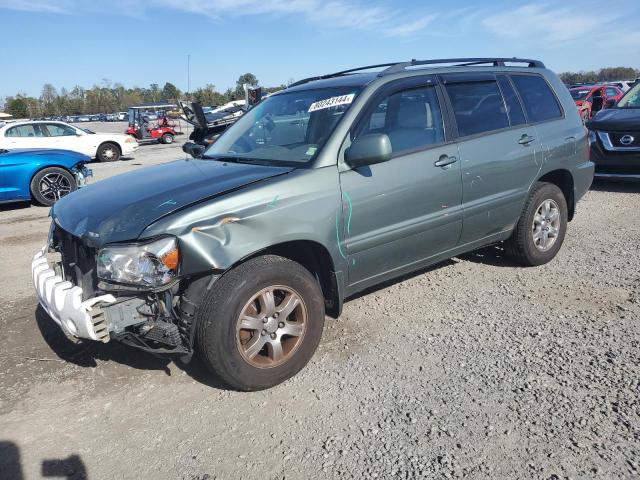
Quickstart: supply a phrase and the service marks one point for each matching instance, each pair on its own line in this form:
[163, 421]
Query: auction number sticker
[332, 102]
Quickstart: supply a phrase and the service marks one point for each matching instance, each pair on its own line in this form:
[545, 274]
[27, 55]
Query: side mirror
[610, 103]
[193, 149]
[369, 149]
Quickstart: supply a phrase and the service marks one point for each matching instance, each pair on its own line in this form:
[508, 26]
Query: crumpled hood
[616, 120]
[121, 207]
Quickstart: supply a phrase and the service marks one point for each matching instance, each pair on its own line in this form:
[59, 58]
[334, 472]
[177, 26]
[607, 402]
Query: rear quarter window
[539, 101]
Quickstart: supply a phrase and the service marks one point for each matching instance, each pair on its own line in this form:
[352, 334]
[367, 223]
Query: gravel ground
[476, 368]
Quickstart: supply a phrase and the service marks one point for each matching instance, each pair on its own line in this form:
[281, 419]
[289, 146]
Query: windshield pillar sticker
[332, 102]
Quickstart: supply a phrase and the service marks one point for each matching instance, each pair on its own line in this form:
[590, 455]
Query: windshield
[579, 93]
[631, 99]
[284, 129]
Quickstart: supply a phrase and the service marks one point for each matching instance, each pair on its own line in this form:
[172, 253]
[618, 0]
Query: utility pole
[189, 74]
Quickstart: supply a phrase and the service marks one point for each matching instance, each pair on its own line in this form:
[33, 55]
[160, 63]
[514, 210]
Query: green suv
[329, 187]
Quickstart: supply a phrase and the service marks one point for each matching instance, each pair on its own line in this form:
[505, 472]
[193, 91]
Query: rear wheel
[167, 138]
[541, 228]
[51, 184]
[108, 152]
[261, 323]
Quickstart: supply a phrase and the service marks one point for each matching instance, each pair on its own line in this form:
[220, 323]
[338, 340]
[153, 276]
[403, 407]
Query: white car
[106, 147]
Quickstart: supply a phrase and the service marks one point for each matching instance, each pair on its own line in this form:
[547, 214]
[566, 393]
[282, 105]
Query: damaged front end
[127, 292]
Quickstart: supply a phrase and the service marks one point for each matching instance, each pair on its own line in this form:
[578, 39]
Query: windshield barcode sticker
[332, 102]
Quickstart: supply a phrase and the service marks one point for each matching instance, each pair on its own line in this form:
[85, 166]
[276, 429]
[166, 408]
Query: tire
[527, 243]
[167, 139]
[51, 184]
[226, 349]
[108, 152]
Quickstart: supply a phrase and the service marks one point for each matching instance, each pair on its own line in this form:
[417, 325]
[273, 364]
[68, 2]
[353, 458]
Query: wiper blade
[251, 161]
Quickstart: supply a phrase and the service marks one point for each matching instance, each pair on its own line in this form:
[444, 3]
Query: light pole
[189, 74]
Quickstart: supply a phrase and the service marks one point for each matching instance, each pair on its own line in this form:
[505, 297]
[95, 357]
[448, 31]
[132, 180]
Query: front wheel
[541, 228]
[51, 184]
[261, 323]
[167, 138]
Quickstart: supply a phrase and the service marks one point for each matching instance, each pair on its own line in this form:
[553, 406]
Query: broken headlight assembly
[151, 264]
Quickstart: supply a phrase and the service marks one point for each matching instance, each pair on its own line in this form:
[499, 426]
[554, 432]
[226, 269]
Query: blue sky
[137, 42]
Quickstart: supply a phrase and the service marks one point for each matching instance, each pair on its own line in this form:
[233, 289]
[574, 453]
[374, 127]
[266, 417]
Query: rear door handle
[445, 160]
[525, 139]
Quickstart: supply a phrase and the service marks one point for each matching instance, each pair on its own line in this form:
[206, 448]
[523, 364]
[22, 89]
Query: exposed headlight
[148, 265]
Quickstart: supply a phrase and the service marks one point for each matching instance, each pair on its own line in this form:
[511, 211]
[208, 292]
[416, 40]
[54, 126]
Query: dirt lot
[476, 368]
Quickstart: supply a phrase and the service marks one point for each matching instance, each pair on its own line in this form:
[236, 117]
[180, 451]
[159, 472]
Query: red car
[592, 98]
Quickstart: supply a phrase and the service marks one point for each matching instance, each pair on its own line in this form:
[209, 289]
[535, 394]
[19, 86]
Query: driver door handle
[445, 160]
[525, 139]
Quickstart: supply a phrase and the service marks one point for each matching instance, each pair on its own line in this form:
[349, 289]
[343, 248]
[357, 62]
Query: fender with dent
[215, 235]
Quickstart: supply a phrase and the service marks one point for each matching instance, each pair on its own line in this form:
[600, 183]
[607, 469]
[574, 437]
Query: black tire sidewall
[216, 321]
[545, 192]
[37, 178]
[103, 147]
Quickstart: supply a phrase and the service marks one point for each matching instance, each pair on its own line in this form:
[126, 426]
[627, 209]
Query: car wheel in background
[51, 184]
[260, 323]
[167, 138]
[541, 228]
[108, 152]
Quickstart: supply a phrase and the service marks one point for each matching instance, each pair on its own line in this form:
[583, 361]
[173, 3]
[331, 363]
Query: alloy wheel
[271, 326]
[54, 186]
[546, 225]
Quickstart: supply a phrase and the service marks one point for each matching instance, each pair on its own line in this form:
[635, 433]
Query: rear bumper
[63, 302]
[129, 148]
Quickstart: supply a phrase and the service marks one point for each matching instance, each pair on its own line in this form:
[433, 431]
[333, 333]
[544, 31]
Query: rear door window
[478, 107]
[514, 108]
[21, 131]
[539, 101]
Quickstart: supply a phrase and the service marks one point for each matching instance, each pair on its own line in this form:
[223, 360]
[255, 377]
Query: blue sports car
[42, 175]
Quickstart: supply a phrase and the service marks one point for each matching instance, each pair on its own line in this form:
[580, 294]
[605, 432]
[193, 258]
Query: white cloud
[48, 6]
[542, 24]
[331, 14]
[408, 29]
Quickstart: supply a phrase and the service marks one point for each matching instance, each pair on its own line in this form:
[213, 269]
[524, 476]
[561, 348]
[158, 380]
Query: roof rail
[343, 72]
[462, 62]
[396, 67]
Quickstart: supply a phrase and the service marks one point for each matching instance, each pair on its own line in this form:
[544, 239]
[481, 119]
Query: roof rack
[343, 72]
[396, 67]
[462, 62]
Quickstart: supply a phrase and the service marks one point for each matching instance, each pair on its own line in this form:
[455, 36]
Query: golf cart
[208, 126]
[149, 123]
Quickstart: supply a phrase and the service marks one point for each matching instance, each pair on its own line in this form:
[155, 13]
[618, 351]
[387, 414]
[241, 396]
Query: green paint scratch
[346, 195]
[168, 202]
[273, 202]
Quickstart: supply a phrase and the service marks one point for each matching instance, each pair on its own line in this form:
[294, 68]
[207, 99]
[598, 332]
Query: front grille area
[618, 170]
[616, 138]
[78, 261]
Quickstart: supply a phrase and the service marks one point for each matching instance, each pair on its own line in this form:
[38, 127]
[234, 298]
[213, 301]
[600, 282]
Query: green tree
[170, 92]
[17, 107]
[247, 78]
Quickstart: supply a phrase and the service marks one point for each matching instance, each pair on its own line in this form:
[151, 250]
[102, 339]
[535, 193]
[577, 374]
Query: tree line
[108, 98]
[609, 74]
